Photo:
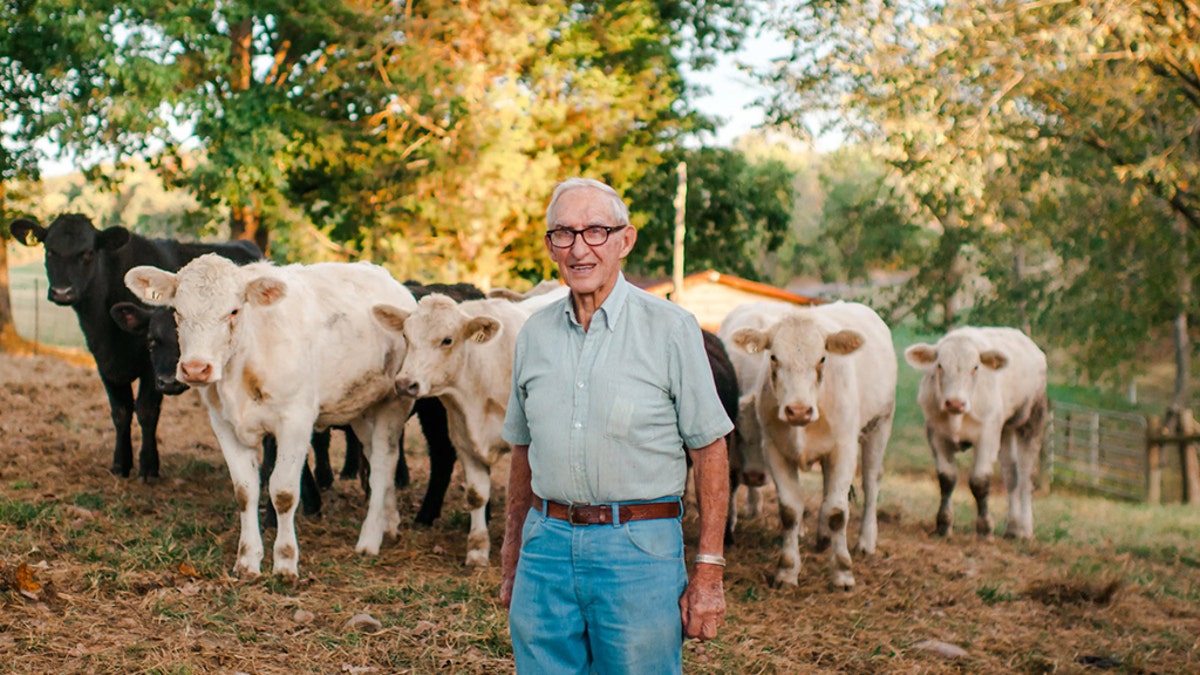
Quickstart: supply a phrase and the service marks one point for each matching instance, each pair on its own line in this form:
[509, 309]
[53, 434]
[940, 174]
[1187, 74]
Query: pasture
[106, 575]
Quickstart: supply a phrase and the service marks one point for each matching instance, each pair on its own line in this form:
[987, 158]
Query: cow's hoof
[864, 549]
[843, 580]
[288, 575]
[477, 558]
[983, 527]
[246, 571]
[119, 471]
[367, 548]
[787, 578]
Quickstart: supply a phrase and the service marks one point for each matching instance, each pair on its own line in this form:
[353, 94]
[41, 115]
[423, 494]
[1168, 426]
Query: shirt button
[581, 385]
[579, 425]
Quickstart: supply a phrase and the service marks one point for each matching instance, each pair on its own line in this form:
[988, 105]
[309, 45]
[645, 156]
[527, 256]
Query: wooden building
[710, 295]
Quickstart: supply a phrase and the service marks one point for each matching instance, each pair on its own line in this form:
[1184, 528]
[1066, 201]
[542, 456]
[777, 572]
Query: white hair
[620, 211]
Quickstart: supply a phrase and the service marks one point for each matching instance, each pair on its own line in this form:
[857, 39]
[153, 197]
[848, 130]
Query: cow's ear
[921, 355]
[993, 359]
[391, 318]
[750, 340]
[265, 291]
[22, 228]
[112, 238]
[131, 317]
[481, 329]
[844, 342]
[152, 285]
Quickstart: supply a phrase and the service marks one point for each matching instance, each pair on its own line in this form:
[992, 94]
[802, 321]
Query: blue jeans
[598, 598]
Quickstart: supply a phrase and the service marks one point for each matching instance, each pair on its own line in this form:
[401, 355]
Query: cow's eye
[233, 313]
[975, 369]
[822, 361]
[446, 342]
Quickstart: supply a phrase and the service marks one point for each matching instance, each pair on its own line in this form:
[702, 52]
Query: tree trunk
[8, 328]
[245, 219]
[1184, 296]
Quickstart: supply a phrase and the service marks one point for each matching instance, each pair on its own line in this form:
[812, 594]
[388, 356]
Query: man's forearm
[520, 495]
[711, 467]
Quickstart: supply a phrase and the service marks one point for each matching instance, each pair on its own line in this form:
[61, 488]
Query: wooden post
[1045, 474]
[1153, 461]
[1188, 464]
[680, 230]
[1094, 448]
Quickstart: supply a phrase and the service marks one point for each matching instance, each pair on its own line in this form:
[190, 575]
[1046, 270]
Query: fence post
[1188, 464]
[1046, 470]
[37, 321]
[1153, 461]
[1094, 448]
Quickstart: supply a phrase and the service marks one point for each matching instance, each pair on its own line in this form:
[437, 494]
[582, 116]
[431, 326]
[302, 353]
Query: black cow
[725, 378]
[86, 269]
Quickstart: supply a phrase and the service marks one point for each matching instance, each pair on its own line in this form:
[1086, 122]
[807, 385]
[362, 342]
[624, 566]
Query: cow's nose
[754, 478]
[61, 296]
[407, 386]
[196, 372]
[798, 414]
[955, 406]
[170, 386]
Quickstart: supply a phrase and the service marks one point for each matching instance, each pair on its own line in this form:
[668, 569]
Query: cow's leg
[834, 515]
[148, 407]
[1010, 469]
[324, 469]
[242, 461]
[292, 436]
[310, 493]
[874, 444]
[947, 473]
[735, 477]
[1020, 498]
[382, 430]
[120, 406]
[351, 468]
[436, 428]
[786, 474]
[753, 500]
[479, 489]
[986, 453]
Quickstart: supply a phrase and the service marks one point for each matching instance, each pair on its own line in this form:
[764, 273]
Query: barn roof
[662, 289]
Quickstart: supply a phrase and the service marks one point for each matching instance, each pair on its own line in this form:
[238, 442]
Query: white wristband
[710, 559]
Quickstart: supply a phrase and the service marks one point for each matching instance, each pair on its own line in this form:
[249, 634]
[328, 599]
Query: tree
[736, 212]
[985, 108]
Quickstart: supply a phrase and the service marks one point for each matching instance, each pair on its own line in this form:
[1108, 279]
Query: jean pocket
[534, 521]
[661, 538]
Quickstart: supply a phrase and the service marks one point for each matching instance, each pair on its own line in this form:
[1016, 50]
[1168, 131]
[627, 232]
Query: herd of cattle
[281, 354]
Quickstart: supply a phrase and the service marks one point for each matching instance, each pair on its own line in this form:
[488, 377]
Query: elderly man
[610, 385]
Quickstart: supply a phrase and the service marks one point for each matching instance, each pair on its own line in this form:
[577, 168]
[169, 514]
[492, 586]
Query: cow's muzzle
[954, 406]
[61, 296]
[406, 386]
[195, 372]
[799, 415]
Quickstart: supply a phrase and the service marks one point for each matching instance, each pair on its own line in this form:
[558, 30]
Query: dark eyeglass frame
[598, 232]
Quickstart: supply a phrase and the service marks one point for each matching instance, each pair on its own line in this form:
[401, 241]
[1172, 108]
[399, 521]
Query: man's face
[589, 269]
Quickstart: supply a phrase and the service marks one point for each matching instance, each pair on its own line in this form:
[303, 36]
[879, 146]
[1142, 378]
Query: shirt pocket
[620, 419]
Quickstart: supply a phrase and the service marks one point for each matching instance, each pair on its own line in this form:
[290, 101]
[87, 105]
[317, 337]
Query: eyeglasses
[593, 235]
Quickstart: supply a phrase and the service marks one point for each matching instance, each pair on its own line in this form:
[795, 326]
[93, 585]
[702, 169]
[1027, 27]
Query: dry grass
[107, 575]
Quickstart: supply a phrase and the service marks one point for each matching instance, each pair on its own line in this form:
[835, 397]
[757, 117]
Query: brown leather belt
[601, 514]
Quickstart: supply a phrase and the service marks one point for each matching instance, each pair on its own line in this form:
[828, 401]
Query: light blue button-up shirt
[606, 413]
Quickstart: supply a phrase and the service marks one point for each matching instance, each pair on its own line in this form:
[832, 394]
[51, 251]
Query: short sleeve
[702, 418]
[516, 425]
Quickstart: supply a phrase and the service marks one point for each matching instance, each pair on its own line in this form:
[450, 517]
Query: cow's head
[797, 347]
[952, 367]
[439, 334]
[73, 247]
[157, 326]
[208, 294]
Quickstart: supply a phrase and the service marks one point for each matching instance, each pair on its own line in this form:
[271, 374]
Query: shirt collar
[610, 310]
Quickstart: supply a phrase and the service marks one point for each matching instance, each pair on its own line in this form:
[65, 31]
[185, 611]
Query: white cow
[745, 453]
[984, 388]
[462, 353]
[281, 350]
[825, 391]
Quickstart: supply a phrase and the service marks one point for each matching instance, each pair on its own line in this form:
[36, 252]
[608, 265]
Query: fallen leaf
[186, 569]
[25, 581]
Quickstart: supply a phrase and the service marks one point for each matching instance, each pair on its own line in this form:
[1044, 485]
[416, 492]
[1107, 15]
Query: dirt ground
[107, 575]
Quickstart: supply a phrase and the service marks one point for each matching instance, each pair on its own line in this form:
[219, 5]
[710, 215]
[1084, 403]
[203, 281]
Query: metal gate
[1099, 450]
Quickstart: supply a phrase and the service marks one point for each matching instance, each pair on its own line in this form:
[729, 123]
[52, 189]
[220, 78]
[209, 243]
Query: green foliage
[736, 211]
[1038, 142]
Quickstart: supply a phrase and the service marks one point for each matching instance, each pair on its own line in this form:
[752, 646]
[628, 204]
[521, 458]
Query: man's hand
[702, 605]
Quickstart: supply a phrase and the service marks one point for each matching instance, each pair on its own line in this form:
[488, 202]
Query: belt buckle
[571, 514]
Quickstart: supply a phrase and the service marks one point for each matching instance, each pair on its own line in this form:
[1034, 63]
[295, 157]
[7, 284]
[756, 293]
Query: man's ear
[629, 238]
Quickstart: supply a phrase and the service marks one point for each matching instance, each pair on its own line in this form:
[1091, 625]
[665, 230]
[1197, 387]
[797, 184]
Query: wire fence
[1104, 452]
[37, 318]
